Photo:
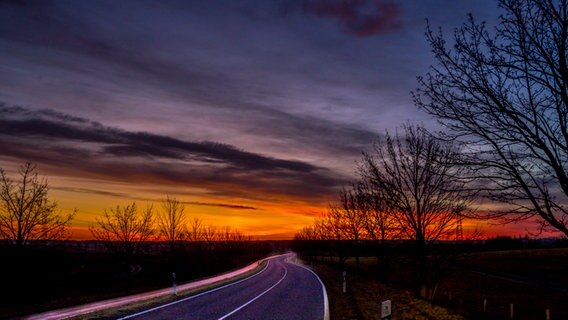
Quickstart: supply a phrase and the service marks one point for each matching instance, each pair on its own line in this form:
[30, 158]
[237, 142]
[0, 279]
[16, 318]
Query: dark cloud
[50, 125]
[128, 196]
[103, 41]
[94, 191]
[190, 78]
[72, 144]
[221, 205]
[357, 17]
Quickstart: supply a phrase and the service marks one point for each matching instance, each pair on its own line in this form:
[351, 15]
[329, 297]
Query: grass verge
[125, 310]
[364, 296]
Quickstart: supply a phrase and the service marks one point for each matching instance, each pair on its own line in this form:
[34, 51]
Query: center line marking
[260, 295]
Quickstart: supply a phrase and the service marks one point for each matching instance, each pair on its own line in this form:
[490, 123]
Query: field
[364, 294]
[532, 280]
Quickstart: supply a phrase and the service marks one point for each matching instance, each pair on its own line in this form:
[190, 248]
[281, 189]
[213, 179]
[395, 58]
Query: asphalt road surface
[282, 290]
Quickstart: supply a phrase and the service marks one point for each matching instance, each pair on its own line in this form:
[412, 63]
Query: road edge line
[325, 299]
[116, 303]
[193, 296]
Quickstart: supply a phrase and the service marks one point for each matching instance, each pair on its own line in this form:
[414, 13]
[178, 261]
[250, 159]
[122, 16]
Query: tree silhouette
[26, 214]
[124, 230]
[504, 92]
[172, 222]
[422, 188]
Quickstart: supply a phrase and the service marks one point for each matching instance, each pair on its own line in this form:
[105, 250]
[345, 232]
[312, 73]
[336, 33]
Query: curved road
[282, 290]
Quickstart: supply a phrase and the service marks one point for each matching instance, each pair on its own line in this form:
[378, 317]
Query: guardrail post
[547, 312]
[174, 288]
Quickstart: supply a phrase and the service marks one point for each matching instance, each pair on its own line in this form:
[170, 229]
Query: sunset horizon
[284, 159]
[257, 124]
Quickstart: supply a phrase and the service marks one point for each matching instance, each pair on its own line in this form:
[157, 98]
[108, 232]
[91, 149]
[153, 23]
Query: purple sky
[247, 102]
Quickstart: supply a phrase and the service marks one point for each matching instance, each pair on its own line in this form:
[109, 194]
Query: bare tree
[26, 213]
[210, 234]
[505, 93]
[334, 228]
[172, 224]
[421, 186]
[306, 241]
[196, 231]
[124, 229]
[379, 223]
[351, 205]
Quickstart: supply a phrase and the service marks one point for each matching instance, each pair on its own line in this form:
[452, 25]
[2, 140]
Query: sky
[253, 113]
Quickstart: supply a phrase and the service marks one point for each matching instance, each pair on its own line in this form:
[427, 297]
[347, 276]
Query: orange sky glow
[273, 218]
[118, 104]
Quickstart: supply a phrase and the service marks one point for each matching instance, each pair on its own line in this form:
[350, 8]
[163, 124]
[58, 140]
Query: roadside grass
[542, 264]
[460, 291]
[38, 280]
[365, 293]
[466, 290]
[125, 310]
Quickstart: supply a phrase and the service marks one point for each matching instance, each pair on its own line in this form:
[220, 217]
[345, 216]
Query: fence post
[344, 282]
[484, 305]
[547, 312]
[511, 311]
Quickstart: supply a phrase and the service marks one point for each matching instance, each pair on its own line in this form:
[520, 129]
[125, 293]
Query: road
[82, 310]
[282, 290]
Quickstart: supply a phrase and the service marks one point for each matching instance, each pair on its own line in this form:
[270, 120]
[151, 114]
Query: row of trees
[502, 96]
[127, 230]
[409, 188]
[27, 216]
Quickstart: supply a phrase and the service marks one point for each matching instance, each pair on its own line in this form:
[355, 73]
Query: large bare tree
[421, 185]
[26, 213]
[124, 229]
[505, 92]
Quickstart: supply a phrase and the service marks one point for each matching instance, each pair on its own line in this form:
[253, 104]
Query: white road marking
[253, 299]
[325, 300]
[192, 297]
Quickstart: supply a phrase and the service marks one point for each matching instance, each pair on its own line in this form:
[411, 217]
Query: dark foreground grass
[364, 295]
[538, 281]
[36, 281]
[538, 278]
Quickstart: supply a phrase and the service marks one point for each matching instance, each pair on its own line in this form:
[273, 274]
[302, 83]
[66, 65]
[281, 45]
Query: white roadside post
[386, 310]
[547, 313]
[174, 288]
[344, 281]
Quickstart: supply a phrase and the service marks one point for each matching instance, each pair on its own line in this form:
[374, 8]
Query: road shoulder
[115, 308]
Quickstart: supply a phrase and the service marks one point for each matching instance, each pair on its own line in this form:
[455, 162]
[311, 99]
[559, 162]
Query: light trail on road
[282, 290]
